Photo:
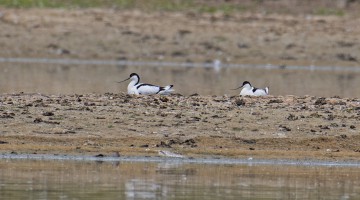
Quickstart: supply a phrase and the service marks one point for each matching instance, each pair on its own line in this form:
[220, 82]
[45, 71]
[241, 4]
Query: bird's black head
[246, 82]
[134, 74]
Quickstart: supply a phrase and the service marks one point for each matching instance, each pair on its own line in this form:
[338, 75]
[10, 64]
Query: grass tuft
[330, 11]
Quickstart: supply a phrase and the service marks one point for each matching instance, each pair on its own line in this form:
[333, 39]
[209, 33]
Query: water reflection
[35, 179]
[81, 79]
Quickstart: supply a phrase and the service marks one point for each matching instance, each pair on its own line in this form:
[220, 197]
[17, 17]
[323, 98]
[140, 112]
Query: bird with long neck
[135, 87]
[248, 90]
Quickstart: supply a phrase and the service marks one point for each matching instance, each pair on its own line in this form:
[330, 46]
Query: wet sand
[194, 126]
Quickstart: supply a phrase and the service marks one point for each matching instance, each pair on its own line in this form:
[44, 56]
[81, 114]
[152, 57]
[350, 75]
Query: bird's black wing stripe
[144, 84]
[160, 89]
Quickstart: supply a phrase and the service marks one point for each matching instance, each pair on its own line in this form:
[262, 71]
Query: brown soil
[261, 127]
[251, 38]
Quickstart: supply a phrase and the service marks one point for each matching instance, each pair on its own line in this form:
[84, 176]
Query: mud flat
[282, 127]
[242, 37]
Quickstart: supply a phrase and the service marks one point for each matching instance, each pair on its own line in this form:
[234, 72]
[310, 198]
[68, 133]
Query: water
[166, 179]
[70, 77]
[216, 64]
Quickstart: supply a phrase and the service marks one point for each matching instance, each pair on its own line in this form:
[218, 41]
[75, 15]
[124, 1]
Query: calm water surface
[54, 179]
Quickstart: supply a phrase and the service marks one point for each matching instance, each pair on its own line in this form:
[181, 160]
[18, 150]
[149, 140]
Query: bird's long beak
[123, 80]
[237, 88]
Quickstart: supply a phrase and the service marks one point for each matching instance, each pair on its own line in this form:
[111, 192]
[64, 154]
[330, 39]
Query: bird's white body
[135, 87]
[248, 90]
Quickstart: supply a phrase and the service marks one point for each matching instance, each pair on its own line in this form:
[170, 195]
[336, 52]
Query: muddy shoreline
[283, 127]
[171, 160]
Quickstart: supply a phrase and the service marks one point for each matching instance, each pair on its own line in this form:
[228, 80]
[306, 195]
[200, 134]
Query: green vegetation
[121, 4]
[148, 5]
[330, 11]
[225, 8]
[197, 6]
[237, 128]
[60, 3]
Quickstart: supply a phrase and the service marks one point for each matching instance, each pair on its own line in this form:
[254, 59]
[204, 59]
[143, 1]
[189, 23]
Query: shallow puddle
[173, 179]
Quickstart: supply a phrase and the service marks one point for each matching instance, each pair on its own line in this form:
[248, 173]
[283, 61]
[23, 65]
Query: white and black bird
[135, 87]
[249, 90]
